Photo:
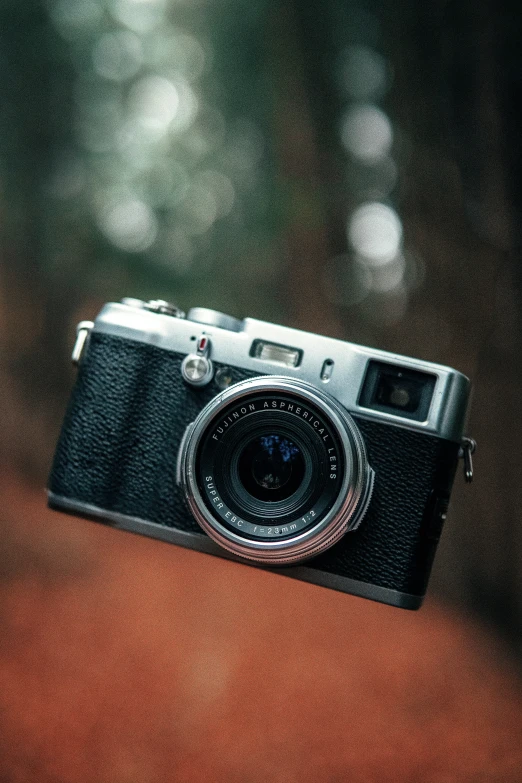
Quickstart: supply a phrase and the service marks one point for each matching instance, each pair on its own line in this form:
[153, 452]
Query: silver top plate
[447, 413]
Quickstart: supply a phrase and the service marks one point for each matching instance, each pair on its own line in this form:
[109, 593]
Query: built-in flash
[277, 354]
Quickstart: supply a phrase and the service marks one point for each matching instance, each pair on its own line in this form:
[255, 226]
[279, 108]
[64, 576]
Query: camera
[317, 458]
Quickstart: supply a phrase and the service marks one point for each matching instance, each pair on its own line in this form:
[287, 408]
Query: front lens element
[270, 464]
[271, 467]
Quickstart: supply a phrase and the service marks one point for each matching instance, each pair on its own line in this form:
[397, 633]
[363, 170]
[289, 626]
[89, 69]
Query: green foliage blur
[134, 151]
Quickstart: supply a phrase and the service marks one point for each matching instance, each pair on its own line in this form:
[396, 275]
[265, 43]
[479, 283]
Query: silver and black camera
[323, 460]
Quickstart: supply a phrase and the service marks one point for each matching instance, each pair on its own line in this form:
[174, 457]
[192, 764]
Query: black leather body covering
[120, 439]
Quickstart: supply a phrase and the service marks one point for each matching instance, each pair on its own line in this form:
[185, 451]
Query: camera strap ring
[467, 448]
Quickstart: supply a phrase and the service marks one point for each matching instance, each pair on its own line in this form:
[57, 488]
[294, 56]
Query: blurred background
[349, 167]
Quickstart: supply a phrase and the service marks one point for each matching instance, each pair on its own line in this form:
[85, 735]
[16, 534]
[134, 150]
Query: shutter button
[196, 368]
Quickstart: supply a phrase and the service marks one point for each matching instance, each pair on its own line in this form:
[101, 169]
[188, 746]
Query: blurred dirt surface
[125, 660]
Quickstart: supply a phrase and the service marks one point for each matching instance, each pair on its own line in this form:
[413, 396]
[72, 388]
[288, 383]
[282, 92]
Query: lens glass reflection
[271, 467]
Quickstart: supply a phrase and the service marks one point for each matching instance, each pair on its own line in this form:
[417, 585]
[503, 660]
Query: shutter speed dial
[155, 306]
[202, 315]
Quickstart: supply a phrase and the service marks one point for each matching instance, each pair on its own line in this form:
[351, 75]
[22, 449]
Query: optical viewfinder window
[397, 390]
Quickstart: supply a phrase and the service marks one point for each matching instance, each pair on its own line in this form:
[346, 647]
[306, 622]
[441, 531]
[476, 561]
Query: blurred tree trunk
[301, 171]
[34, 304]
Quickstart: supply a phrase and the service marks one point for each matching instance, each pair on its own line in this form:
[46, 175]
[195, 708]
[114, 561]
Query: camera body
[323, 460]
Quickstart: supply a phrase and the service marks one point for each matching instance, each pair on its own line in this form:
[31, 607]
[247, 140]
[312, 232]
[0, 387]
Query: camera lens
[275, 470]
[271, 467]
[265, 464]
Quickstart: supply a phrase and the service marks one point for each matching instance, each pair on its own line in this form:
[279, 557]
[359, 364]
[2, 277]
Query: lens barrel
[275, 470]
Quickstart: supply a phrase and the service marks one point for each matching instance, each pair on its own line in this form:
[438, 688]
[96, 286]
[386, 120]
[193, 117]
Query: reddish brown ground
[124, 660]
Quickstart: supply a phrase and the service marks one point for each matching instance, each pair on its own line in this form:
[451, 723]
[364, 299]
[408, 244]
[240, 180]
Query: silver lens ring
[349, 506]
